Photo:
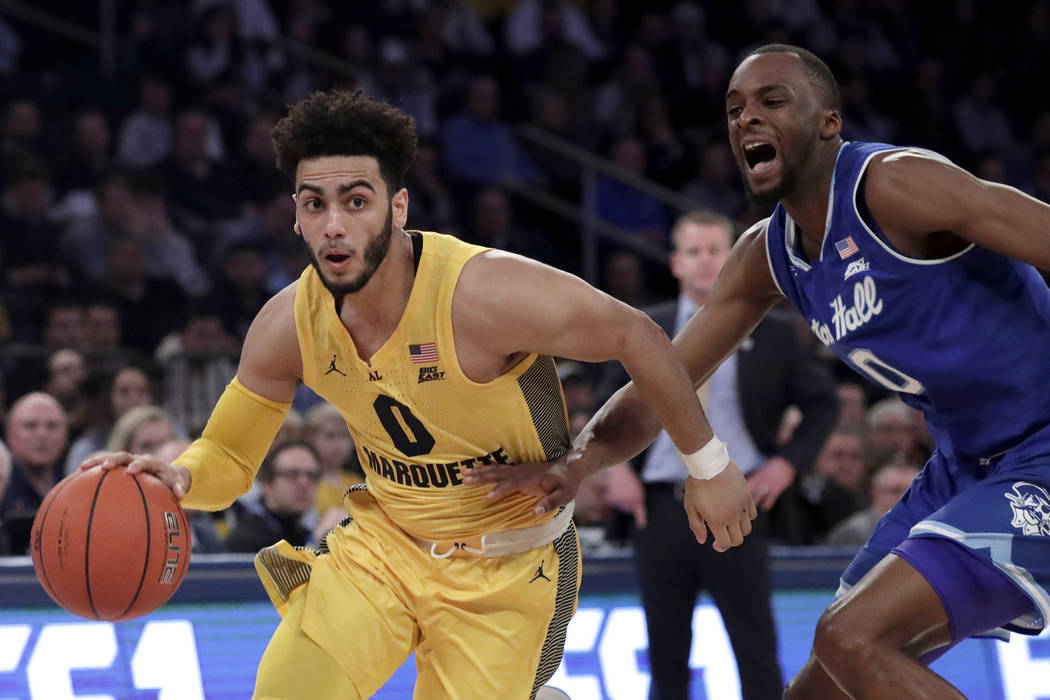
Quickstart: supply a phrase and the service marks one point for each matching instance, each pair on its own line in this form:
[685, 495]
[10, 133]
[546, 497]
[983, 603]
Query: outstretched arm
[220, 465]
[745, 291]
[632, 419]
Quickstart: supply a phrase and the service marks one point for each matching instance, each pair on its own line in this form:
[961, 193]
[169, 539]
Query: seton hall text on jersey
[428, 475]
[866, 306]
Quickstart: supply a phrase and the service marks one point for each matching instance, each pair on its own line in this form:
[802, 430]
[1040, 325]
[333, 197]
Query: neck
[807, 203]
[382, 301]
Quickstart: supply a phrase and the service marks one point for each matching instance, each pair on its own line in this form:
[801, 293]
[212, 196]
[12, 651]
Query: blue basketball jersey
[965, 339]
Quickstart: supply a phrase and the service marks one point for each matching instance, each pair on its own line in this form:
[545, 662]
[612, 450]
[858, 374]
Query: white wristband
[709, 461]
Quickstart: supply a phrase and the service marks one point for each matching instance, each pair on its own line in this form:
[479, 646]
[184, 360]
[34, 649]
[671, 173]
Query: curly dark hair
[347, 123]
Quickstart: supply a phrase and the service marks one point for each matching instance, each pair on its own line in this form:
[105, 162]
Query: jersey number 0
[408, 434]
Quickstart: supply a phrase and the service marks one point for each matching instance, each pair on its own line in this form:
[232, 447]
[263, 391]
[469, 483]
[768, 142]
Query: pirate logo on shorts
[1031, 506]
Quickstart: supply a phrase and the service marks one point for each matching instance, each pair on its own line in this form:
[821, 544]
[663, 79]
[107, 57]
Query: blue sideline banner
[210, 650]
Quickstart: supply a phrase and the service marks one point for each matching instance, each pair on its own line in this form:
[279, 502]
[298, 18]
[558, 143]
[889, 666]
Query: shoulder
[272, 342]
[898, 171]
[491, 275]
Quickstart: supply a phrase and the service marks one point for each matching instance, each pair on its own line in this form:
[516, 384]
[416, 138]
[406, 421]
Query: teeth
[753, 146]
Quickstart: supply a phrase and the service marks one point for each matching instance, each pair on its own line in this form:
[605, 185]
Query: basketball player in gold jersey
[438, 354]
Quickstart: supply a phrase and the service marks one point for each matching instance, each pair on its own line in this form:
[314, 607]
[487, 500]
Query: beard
[375, 253]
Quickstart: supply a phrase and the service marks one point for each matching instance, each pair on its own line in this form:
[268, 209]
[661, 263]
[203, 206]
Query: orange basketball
[108, 545]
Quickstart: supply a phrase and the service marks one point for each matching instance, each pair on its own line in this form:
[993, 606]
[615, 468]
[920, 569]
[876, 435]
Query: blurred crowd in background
[143, 222]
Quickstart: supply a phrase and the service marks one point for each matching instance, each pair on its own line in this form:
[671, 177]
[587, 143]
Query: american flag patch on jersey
[846, 247]
[425, 353]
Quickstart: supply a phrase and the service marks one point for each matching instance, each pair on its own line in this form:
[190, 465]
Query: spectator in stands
[716, 185]
[887, 486]
[199, 184]
[29, 238]
[198, 361]
[148, 304]
[480, 147]
[254, 169]
[895, 431]
[102, 333]
[982, 124]
[293, 428]
[86, 239]
[63, 323]
[834, 490]
[618, 99]
[215, 50]
[89, 156]
[623, 205]
[532, 20]
[22, 132]
[492, 224]
[145, 136]
[402, 81]
[326, 431]
[853, 404]
[36, 437]
[266, 225]
[168, 253]
[66, 371]
[110, 397]
[240, 288]
[288, 480]
[624, 278]
[142, 430]
[432, 205]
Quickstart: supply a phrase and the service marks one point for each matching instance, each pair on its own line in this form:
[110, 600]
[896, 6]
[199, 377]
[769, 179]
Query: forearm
[223, 462]
[663, 383]
[661, 395]
[620, 429]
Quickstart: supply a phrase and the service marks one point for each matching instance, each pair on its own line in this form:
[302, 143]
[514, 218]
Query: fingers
[503, 489]
[492, 474]
[723, 541]
[107, 460]
[556, 499]
[696, 524]
[752, 510]
[640, 516]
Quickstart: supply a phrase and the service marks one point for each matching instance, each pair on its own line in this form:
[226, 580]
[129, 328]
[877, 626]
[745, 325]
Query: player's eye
[312, 205]
[733, 112]
[357, 202]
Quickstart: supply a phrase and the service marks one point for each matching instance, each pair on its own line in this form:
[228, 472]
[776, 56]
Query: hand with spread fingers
[175, 477]
[722, 503]
[554, 483]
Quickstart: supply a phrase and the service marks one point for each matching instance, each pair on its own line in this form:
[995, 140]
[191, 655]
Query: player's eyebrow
[342, 189]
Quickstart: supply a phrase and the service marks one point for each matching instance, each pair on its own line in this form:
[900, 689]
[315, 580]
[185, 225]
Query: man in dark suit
[745, 401]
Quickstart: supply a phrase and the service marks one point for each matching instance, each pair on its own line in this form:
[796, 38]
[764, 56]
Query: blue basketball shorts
[999, 511]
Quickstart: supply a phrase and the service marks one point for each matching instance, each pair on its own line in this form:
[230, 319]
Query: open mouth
[337, 259]
[759, 156]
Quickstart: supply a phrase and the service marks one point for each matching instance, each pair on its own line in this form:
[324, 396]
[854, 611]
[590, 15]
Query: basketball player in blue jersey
[920, 276]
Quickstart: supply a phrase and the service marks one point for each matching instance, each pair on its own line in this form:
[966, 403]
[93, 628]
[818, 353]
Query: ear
[399, 209]
[295, 226]
[830, 124]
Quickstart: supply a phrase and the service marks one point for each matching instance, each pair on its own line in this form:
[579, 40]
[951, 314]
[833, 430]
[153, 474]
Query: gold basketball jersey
[418, 421]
